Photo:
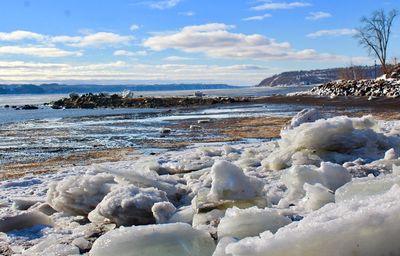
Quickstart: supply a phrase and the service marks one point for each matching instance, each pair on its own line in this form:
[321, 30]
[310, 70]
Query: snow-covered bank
[287, 197]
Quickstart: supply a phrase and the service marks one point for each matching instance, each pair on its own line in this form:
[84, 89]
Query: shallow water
[32, 135]
[35, 135]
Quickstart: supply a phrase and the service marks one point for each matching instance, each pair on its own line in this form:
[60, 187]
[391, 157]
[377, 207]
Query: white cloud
[36, 51]
[176, 58]
[189, 14]
[217, 41]
[260, 17]
[20, 35]
[279, 5]
[65, 39]
[134, 27]
[121, 72]
[333, 32]
[129, 53]
[164, 4]
[318, 15]
[92, 39]
[102, 39]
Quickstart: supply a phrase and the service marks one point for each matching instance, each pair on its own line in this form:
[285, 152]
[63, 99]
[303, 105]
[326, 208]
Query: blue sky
[167, 41]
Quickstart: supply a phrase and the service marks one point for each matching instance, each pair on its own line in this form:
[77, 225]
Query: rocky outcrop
[103, 100]
[367, 88]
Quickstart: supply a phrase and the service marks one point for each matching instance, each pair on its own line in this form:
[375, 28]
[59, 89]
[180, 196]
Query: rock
[195, 127]
[203, 121]
[389, 87]
[29, 107]
[165, 130]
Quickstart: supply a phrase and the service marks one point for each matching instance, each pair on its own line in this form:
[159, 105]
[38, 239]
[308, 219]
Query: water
[251, 91]
[36, 135]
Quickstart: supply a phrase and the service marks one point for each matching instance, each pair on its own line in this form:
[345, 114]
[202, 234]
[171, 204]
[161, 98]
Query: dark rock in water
[74, 95]
[103, 100]
[29, 107]
[56, 107]
[6, 106]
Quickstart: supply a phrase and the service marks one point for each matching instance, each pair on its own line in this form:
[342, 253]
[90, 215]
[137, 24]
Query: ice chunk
[51, 246]
[176, 239]
[25, 203]
[317, 196]
[128, 205]
[337, 139]
[203, 203]
[24, 220]
[184, 214]
[229, 182]
[241, 223]
[81, 243]
[79, 195]
[305, 116]
[143, 176]
[330, 175]
[163, 211]
[223, 243]
[367, 227]
[210, 218]
[391, 154]
[365, 187]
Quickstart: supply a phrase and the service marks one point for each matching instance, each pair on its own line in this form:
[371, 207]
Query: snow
[166, 239]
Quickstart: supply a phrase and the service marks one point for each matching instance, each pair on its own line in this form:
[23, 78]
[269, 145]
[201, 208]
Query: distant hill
[320, 76]
[85, 88]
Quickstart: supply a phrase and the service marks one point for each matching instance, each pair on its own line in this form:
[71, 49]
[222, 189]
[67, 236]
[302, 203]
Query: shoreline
[229, 130]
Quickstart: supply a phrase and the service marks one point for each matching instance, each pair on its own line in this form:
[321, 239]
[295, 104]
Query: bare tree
[375, 33]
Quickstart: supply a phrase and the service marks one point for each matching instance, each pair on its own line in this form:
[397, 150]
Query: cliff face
[320, 76]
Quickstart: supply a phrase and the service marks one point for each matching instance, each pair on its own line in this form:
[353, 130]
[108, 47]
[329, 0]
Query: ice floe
[165, 239]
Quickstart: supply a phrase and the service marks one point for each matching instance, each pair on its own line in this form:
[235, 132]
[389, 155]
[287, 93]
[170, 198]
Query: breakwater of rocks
[386, 86]
[117, 101]
[369, 88]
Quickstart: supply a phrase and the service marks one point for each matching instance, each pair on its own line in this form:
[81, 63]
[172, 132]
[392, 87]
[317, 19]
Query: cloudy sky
[237, 42]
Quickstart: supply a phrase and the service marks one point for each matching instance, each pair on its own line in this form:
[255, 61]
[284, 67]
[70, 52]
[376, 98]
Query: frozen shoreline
[225, 194]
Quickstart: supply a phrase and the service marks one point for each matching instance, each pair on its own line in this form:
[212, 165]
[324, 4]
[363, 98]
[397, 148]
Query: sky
[238, 42]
